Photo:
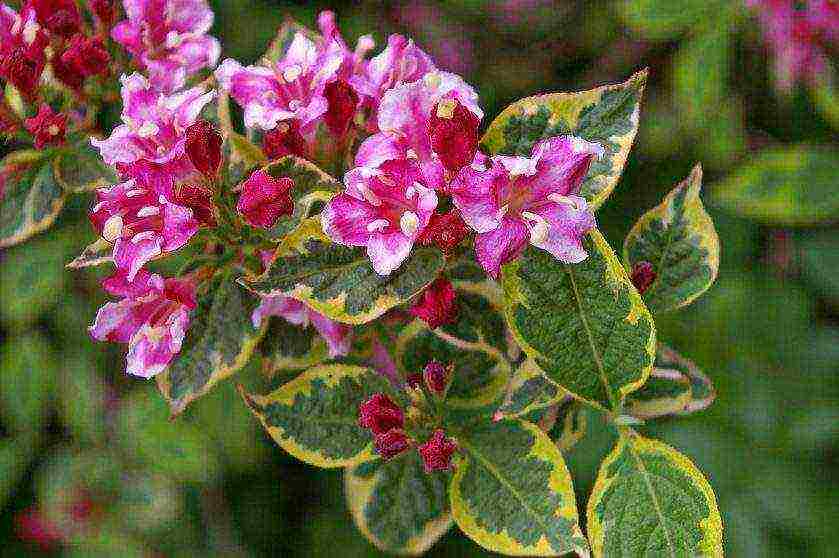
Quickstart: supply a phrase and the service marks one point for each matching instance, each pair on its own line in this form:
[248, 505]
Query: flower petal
[566, 226]
[387, 251]
[497, 247]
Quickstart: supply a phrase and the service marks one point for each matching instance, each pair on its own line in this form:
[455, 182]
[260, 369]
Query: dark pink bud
[453, 129]
[436, 377]
[32, 526]
[265, 199]
[22, 70]
[380, 414]
[391, 443]
[283, 140]
[342, 100]
[58, 16]
[103, 10]
[445, 231]
[67, 74]
[203, 147]
[643, 276]
[47, 127]
[414, 381]
[86, 56]
[437, 452]
[436, 305]
[198, 199]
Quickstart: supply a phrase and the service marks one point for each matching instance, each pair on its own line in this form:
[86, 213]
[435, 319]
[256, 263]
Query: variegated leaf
[702, 391]
[33, 197]
[96, 253]
[529, 390]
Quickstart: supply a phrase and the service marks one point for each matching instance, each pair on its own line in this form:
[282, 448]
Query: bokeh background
[211, 483]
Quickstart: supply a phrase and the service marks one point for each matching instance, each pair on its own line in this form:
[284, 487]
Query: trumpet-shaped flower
[138, 218]
[433, 120]
[384, 209]
[154, 126]
[168, 38]
[519, 199]
[152, 318]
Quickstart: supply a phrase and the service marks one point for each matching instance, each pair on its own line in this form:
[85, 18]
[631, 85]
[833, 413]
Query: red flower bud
[103, 10]
[22, 68]
[436, 377]
[643, 276]
[31, 525]
[436, 305]
[283, 140]
[265, 198]
[67, 74]
[391, 443]
[198, 199]
[47, 127]
[445, 231]
[414, 381]
[437, 452]
[86, 56]
[58, 16]
[380, 414]
[342, 101]
[453, 129]
[203, 147]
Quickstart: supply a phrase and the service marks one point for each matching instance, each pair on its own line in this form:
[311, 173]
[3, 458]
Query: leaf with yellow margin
[650, 500]
[32, 198]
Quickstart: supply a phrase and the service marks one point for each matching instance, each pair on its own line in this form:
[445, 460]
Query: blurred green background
[74, 429]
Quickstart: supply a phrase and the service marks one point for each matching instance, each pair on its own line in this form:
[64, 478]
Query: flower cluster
[800, 35]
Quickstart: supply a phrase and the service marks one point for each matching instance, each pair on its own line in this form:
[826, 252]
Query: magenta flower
[295, 88]
[437, 304]
[338, 336]
[265, 199]
[384, 209]
[534, 198]
[47, 127]
[22, 44]
[136, 216]
[86, 56]
[152, 318]
[154, 126]
[168, 38]
[380, 414]
[61, 17]
[406, 115]
[437, 452]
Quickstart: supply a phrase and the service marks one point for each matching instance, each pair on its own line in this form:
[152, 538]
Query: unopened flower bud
[86, 56]
[643, 276]
[198, 199]
[342, 101]
[437, 377]
[103, 10]
[380, 414]
[22, 70]
[436, 305]
[47, 127]
[203, 147]
[453, 130]
[437, 452]
[445, 231]
[61, 17]
[265, 199]
[414, 381]
[391, 443]
[283, 140]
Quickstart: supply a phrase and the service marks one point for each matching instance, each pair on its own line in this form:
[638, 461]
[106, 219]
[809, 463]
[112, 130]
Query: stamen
[445, 108]
[539, 228]
[370, 196]
[145, 235]
[113, 228]
[377, 225]
[292, 73]
[148, 211]
[409, 223]
[148, 129]
[564, 200]
[502, 211]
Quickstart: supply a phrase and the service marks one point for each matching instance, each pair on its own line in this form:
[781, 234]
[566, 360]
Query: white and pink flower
[168, 38]
[338, 336]
[384, 209]
[512, 200]
[405, 120]
[310, 83]
[152, 318]
[154, 126]
[138, 218]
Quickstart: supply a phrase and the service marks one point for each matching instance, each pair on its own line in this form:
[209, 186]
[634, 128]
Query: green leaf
[657, 20]
[825, 96]
[820, 260]
[678, 238]
[33, 197]
[218, 343]
[607, 115]
[666, 392]
[314, 417]
[783, 186]
[312, 189]
[511, 492]
[650, 500]
[291, 347]
[702, 392]
[244, 156]
[338, 281]
[584, 325]
[27, 382]
[80, 168]
[529, 390]
[15, 455]
[570, 425]
[399, 507]
[96, 253]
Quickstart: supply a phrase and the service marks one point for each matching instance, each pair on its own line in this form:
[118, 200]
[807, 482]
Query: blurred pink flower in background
[443, 39]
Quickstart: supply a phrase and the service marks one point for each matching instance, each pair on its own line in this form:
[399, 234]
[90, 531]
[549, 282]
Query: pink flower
[265, 199]
[169, 39]
[517, 199]
[338, 336]
[22, 44]
[437, 452]
[154, 126]
[380, 414]
[138, 218]
[405, 122]
[152, 318]
[384, 209]
[295, 88]
[47, 127]
[436, 305]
